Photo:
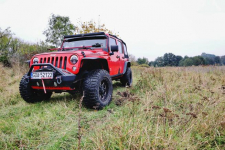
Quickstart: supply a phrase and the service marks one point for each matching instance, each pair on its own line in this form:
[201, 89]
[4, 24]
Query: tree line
[169, 59]
[14, 50]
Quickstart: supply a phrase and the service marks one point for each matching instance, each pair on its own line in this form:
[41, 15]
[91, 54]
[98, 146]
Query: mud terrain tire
[126, 80]
[30, 95]
[98, 89]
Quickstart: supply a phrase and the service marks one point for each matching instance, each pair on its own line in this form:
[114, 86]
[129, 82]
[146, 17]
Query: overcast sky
[150, 28]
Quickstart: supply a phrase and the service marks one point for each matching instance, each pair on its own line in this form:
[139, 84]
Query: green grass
[167, 108]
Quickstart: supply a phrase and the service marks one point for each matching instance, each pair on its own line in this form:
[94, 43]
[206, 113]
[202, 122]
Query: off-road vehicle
[84, 62]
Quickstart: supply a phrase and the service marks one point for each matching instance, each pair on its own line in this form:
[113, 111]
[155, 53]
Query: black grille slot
[48, 59]
[41, 60]
[44, 60]
[56, 62]
[53, 60]
[65, 61]
[60, 64]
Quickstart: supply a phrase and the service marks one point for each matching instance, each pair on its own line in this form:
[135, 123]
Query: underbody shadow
[67, 97]
[117, 84]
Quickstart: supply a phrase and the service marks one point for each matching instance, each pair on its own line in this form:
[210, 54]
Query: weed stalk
[79, 136]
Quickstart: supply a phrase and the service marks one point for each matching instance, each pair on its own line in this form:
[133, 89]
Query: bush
[144, 65]
[14, 50]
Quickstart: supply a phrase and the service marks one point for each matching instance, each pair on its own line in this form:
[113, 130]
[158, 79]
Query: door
[114, 59]
[121, 58]
[125, 54]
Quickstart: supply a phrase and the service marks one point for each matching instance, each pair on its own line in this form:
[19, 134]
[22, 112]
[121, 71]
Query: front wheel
[30, 95]
[98, 89]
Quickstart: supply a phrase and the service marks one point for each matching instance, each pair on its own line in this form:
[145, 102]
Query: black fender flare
[101, 60]
[126, 64]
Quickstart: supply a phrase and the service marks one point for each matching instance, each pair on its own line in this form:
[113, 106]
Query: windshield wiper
[69, 49]
[85, 47]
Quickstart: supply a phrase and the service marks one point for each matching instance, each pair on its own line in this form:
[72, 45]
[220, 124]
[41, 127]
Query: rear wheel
[126, 80]
[30, 95]
[97, 89]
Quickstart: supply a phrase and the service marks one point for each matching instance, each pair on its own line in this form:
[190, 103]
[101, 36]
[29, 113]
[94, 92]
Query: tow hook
[59, 80]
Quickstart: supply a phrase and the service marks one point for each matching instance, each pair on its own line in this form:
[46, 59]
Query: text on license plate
[42, 75]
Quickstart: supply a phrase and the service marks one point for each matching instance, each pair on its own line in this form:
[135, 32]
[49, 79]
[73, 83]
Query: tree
[142, 61]
[151, 63]
[186, 62]
[171, 59]
[58, 27]
[168, 59]
[178, 59]
[217, 60]
[192, 61]
[159, 62]
[5, 42]
[210, 56]
[198, 60]
[209, 61]
[222, 58]
[92, 27]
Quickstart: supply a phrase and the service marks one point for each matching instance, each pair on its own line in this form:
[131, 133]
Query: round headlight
[73, 59]
[35, 60]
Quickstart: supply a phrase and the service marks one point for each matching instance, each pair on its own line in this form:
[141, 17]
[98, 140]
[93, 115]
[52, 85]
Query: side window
[125, 49]
[120, 47]
[111, 42]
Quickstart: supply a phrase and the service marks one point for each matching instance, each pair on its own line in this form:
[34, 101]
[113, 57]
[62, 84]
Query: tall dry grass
[167, 108]
[177, 108]
[9, 83]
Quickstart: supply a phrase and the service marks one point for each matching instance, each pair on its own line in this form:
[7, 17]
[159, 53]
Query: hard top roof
[84, 35]
[97, 34]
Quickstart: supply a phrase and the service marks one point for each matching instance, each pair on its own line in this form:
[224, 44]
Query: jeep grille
[59, 62]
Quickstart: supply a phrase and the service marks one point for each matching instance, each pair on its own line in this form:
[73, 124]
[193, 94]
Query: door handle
[117, 56]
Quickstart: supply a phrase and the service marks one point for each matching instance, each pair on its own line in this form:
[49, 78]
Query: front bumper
[63, 80]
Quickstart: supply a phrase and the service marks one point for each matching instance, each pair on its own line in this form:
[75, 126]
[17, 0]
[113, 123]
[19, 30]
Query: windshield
[83, 43]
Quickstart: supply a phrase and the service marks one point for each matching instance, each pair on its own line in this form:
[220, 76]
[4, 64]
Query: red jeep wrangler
[85, 62]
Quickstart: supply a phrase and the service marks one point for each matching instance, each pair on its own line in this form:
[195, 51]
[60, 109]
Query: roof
[91, 35]
[85, 35]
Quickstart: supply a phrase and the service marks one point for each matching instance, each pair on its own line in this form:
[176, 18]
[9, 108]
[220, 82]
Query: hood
[87, 52]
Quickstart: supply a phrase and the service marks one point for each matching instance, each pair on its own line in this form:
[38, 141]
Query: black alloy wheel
[98, 89]
[103, 90]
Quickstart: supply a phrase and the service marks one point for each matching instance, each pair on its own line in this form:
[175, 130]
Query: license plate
[42, 75]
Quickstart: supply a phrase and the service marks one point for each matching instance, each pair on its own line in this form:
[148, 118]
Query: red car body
[114, 62]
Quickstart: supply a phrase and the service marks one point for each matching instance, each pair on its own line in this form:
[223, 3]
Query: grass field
[167, 108]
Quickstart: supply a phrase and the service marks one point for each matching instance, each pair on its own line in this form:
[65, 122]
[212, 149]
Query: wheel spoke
[103, 90]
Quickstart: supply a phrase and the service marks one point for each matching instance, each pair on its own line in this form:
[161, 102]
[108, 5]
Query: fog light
[74, 68]
[37, 84]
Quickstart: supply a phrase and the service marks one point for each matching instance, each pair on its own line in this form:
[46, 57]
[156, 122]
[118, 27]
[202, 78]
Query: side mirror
[114, 48]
